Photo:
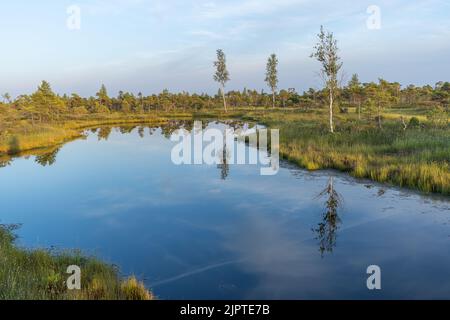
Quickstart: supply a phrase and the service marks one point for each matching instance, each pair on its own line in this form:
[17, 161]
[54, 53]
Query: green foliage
[272, 75]
[80, 110]
[414, 122]
[326, 52]
[438, 117]
[100, 108]
[44, 104]
[103, 98]
[125, 106]
[222, 75]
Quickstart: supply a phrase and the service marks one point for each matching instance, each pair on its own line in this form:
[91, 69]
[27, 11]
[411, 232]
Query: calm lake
[227, 232]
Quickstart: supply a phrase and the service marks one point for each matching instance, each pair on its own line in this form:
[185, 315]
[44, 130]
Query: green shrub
[414, 122]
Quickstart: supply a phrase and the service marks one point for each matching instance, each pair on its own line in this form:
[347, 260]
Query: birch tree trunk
[273, 100]
[331, 111]
[224, 100]
[379, 117]
[359, 109]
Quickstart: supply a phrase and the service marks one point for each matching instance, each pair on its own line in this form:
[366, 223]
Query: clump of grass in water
[41, 275]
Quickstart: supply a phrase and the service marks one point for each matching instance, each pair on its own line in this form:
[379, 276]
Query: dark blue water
[209, 232]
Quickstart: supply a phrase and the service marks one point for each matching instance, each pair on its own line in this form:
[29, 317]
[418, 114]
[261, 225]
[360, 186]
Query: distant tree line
[367, 99]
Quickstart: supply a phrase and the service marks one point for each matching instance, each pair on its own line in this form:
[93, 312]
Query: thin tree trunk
[273, 100]
[224, 100]
[405, 126]
[359, 109]
[379, 117]
[331, 111]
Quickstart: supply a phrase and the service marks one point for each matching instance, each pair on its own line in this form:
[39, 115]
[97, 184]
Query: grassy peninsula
[41, 274]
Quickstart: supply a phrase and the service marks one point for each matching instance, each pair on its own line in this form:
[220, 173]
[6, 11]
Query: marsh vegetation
[40, 274]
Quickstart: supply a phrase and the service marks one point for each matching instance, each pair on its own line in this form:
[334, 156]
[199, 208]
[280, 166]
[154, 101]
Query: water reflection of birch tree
[327, 229]
[223, 161]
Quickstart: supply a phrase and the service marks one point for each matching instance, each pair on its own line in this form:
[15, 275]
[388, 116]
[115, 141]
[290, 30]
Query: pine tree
[103, 98]
[355, 90]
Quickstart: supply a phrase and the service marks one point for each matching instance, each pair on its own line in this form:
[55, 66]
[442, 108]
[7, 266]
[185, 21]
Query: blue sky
[149, 45]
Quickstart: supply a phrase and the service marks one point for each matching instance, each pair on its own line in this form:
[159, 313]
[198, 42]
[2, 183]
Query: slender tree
[6, 97]
[103, 97]
[326, 52]
[125, 106]
[221, 76]
[141, 102]
[370, 93]
[272, 75]
[385, 95]
[355, 90]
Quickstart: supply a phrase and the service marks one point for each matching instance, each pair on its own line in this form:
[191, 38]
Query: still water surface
[226, 232]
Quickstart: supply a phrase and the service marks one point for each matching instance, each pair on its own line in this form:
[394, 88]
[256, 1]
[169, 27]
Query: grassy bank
[416, 158]
[24, 136]
[41, 275]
